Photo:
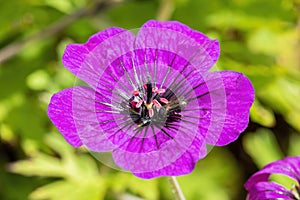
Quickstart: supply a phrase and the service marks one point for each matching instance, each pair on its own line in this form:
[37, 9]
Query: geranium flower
[150, 98]
[260, 188]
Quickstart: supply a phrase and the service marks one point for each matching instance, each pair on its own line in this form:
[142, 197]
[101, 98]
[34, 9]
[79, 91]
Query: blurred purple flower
[150, 99]
[260, 188]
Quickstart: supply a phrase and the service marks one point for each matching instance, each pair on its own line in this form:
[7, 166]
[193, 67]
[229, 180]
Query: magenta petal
[290, 166]
[239, 96]
[73, 111]
[61, 114]
[177, 43]
[85, 105]
[75, 54]
[212, 47]
[183, 165]
[183, 148]
[162, 164]
[88, 61]
[258, 184]
[269, 190]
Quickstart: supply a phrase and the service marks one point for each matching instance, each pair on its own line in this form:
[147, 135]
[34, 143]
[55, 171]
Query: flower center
[153, 105]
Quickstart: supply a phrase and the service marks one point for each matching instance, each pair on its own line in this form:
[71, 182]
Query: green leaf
[39, 165]
[69, 191]
[211, 175]
[294, 147]
[283, 95]
[239, 20]
[65, 6]
[143, 11]
[262, 147]
[262, 115]
[147, 189]
[38, 80]
[79, 173]
[27, 119]
[264, 41]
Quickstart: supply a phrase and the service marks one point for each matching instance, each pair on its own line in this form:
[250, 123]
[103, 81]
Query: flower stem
[176, 188]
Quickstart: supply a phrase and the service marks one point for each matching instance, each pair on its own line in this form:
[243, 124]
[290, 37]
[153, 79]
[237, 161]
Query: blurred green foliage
[260, 38]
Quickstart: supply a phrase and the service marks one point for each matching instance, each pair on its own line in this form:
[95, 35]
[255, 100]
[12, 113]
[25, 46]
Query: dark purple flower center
[154, 106]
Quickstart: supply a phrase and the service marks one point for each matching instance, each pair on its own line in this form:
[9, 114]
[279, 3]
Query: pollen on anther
[133, 103]
[164, 100]
[135, 92]
[154, 89]
[156, 103]
[139, 104]
[150, 112]
[160, 91]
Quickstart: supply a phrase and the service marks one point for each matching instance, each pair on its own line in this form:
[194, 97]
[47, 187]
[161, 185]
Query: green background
[260, 38]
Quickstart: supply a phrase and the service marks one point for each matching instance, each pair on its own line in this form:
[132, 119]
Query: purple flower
[150, 98]
[260, 188]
